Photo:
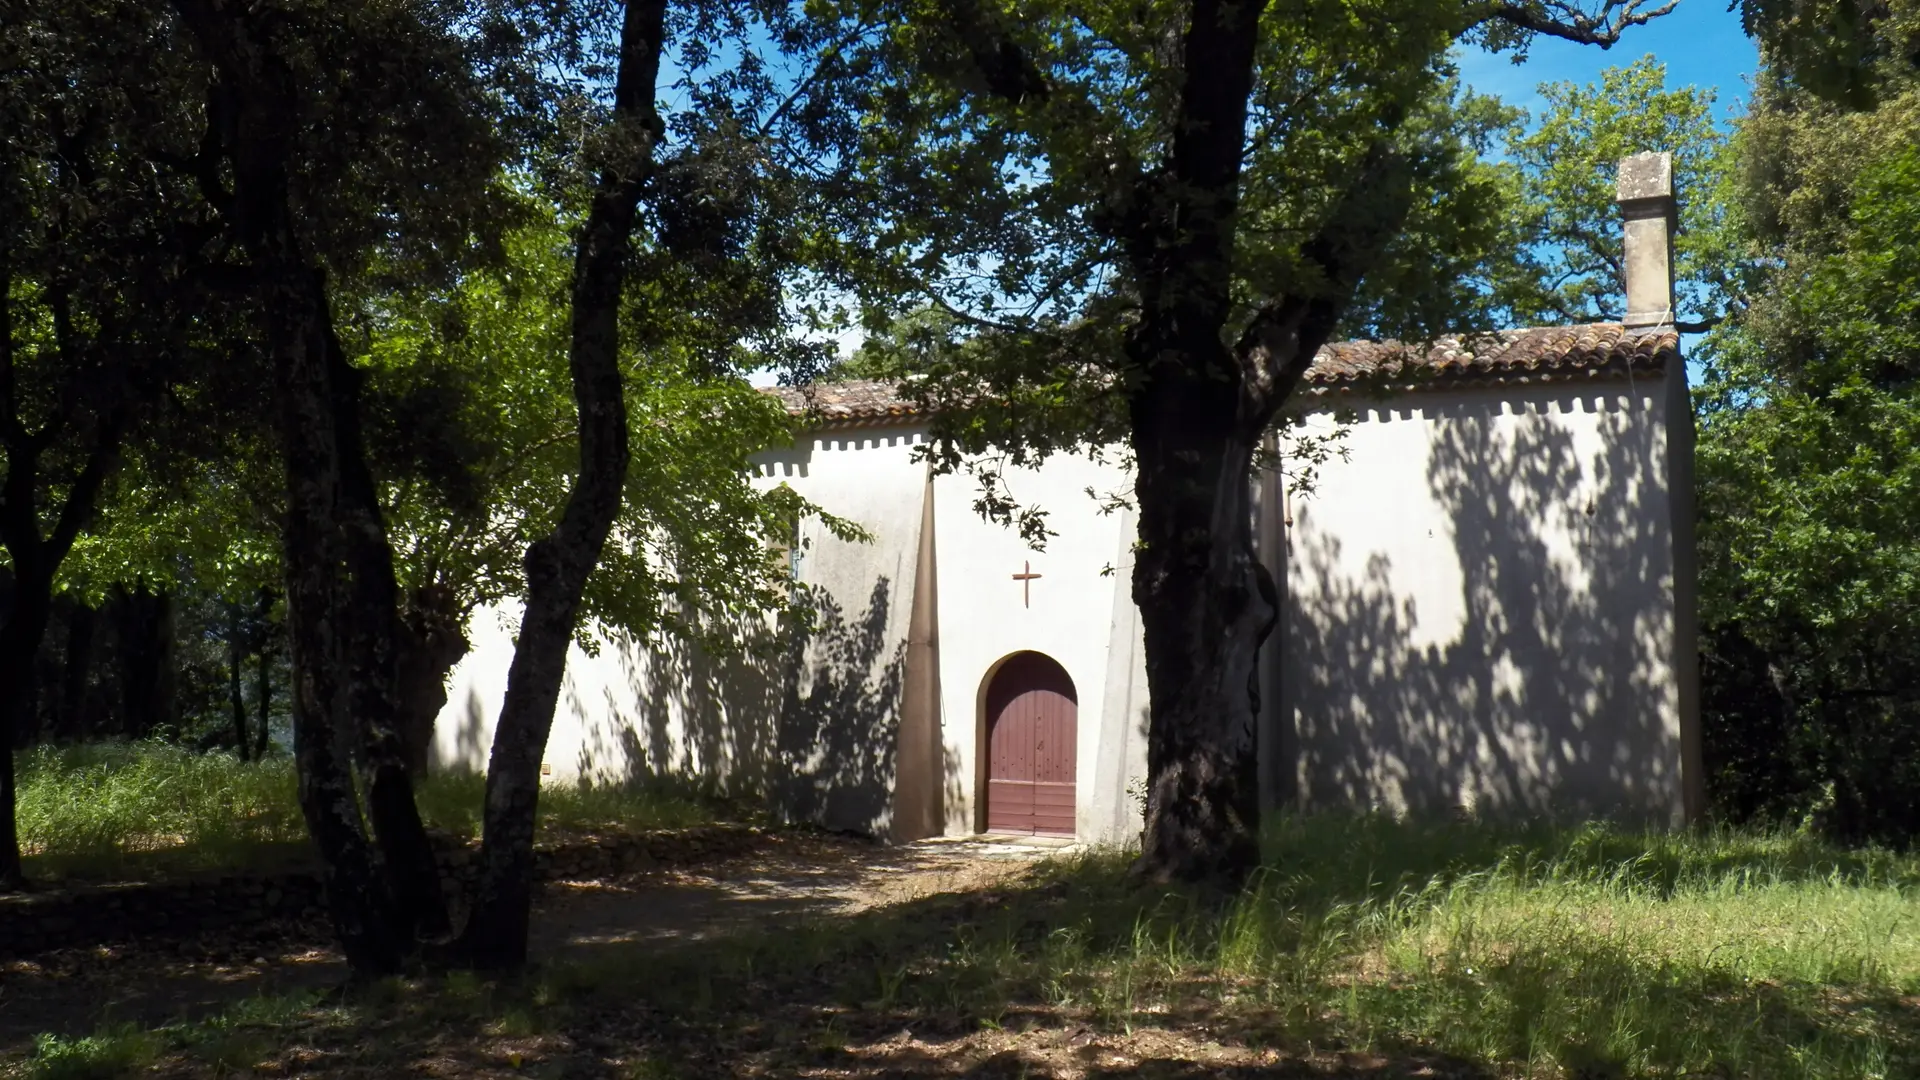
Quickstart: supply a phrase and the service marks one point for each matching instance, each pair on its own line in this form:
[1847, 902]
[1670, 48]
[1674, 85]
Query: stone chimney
[1645, 195]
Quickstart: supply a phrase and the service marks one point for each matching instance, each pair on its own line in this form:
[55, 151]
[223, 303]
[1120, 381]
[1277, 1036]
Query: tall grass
[84, 807]
[1582, 953]
[1551, 952]
[1588, 949]
[99, 809]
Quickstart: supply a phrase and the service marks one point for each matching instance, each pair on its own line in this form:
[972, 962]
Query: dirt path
[799, 877]
[75, 991]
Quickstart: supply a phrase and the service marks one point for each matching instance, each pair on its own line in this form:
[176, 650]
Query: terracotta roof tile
[1533, 354]
[1547, 351]
[859, 399]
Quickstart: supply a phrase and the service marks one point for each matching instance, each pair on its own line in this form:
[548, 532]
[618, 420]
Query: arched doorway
[1032, 719]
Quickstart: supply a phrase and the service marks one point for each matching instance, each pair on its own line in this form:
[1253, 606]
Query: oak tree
[1147, 219]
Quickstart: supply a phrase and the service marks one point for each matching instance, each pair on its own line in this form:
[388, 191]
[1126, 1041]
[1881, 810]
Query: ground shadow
[769, 969]
[889, 992]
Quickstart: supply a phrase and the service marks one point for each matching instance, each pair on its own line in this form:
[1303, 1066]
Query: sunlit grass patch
[101, 809]
[1509, 952]
[453, 801]
[117, 1051]
[1546, 951]
[86, 807]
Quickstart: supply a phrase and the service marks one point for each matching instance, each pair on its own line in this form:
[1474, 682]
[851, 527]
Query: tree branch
[85, 492]
[1568, 21]
[1279, 344]
[1008, 72]
[204, 165]
[969, 317]
[50, 431]
[12, 432]
[806, 85]
[1182, 223]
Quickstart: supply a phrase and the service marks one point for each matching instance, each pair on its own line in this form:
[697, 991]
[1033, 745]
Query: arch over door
[1032, 722]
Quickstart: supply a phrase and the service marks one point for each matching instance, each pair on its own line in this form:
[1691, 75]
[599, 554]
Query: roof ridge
[1527, 354]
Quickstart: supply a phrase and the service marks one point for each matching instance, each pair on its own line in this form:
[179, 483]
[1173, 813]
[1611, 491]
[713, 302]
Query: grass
[1579, 953]
[117, 1050]
[102, 809]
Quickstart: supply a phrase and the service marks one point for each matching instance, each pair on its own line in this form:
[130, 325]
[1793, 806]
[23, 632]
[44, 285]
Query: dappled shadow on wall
[839, 718]
[802, 719]
[697, 720]
[1552, 695]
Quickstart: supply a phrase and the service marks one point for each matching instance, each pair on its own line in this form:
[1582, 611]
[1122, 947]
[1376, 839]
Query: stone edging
[127, 912]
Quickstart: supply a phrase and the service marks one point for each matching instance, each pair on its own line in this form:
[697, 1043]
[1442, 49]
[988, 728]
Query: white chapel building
[1487, 606]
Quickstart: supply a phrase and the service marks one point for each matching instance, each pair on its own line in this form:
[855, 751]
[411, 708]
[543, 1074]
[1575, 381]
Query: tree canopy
[1140, 225]
[1807, 462]
[399, 309]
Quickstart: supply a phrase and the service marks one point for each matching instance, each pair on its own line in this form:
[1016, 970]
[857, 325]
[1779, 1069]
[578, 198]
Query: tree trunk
[557, 565]
[374, 651]
[143, 632]
[359, 900]
[432, 641]
[342, 595]
[25, 625]
[1204, 601]
[1202, 406]
[263, 677]
[332, 585]
[364, 908]
[35, 558]
[1206, 605]
[76, 673]
[236, 700]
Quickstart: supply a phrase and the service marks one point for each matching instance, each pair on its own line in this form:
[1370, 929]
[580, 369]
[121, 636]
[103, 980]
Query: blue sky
[1700, 42]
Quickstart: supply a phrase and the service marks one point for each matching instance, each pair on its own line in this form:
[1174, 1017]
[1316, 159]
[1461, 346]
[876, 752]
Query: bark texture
[1204, 603]
[557, 565]
[236, 657]
[432, 641]
[340, 584]
[373, 661]
[1198, 416]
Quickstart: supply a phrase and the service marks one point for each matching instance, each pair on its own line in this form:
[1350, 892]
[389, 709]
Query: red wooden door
[1032, 717]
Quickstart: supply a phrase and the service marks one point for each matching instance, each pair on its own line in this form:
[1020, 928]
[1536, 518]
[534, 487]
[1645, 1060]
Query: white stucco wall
[1481, 606]
[666, 711]
[983, 619]
[658, 709]
[837, 726]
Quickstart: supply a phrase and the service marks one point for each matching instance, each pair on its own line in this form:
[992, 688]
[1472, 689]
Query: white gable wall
[656, 709]
[819, 745]
[1481, 606]
[839, 719]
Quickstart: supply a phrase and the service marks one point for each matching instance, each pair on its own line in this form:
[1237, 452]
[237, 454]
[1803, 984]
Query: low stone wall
[232, 904]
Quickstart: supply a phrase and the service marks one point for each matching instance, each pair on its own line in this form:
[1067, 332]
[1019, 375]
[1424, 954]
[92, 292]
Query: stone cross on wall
[1025, 578]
